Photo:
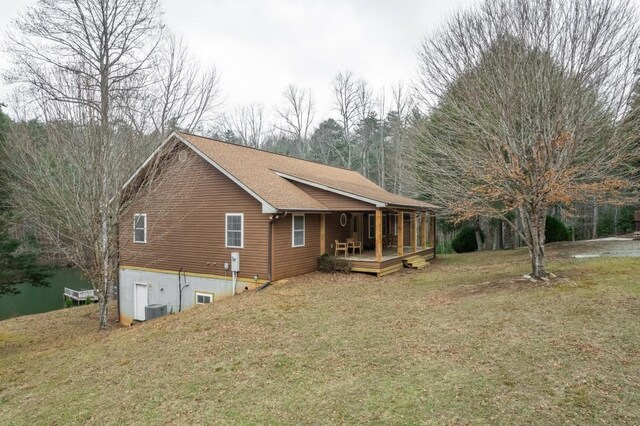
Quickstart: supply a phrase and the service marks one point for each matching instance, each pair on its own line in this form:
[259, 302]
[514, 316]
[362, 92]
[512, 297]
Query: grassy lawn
[461, 341]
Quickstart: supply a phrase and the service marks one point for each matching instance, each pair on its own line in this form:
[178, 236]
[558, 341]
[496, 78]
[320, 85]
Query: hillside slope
[460, 341]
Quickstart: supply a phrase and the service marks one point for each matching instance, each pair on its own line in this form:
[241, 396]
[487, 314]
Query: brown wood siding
[335, 201]
[186, 223]
[335, 231]
[289, 261]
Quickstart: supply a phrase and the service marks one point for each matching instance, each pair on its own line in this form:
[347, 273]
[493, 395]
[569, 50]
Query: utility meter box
[235, 262]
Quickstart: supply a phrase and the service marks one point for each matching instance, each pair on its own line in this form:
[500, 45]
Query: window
[202, 298]
[234, 226]
[343, 220]
[394, 224]
[140, 228]
[384, 225]
[372, 225]
[297, 230]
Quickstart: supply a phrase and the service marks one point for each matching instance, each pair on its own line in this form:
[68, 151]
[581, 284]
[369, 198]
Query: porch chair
[341, 247]
[353, 244]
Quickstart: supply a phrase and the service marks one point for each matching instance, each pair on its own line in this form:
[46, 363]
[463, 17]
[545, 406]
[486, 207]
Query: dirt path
[605, 247]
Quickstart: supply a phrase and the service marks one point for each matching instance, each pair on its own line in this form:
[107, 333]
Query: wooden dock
[79, 295]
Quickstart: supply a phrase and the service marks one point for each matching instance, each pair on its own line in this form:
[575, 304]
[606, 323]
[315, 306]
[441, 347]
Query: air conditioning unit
[155, 311]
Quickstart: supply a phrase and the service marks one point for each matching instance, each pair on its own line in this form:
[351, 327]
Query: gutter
[272, 219]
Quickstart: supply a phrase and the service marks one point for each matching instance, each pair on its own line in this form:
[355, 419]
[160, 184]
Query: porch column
[414, 223]
[378, 235]
[432, 230]
[323, 234]
[400, 222]
[423, 234]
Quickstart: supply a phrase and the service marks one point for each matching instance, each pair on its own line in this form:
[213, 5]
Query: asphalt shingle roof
[261, 172]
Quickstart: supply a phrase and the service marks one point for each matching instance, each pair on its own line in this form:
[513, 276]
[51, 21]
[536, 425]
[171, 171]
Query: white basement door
[140, 300]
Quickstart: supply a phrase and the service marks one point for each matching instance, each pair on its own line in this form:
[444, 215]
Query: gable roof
[269, 177]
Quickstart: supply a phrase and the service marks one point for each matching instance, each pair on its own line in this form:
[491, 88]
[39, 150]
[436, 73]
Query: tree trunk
[594, 224]
[537, 260]
[533, 222]
[478, 230]
[103, 300]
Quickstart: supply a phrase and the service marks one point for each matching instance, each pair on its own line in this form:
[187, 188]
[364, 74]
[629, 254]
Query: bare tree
[525, 99]
[346, 95]
[183, 95]
[399, 125]
[297, 116]
[367, 140]
[249, 124]
[84, 63]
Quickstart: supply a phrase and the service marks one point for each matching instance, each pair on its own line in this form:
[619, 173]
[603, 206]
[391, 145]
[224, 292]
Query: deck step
[390, 270]
[415, 262]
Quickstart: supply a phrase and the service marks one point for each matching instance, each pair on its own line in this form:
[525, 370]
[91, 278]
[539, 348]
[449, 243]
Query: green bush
[465, 240]
[555, 230]
[608, 225]
[444, 247]
[328, 263]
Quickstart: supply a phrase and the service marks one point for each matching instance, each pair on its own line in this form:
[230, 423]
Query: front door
[140, 301]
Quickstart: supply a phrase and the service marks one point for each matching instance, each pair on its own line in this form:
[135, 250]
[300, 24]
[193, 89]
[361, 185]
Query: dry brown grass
[460, 342]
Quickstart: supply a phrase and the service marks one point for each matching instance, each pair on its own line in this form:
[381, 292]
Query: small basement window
[234, 225]
[203, 298]
[140, 228]
[297, 225]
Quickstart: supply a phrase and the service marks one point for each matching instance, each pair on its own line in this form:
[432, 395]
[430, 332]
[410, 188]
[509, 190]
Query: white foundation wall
[162, 288]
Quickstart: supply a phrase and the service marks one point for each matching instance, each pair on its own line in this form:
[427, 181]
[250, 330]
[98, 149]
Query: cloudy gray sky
[261, 46]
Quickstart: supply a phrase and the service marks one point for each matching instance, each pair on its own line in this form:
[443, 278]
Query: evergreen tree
[18, 265]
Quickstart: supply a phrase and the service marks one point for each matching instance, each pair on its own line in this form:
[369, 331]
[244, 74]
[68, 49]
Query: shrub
[555, 230]
[465, 240]
[444, 247]
[328, 263]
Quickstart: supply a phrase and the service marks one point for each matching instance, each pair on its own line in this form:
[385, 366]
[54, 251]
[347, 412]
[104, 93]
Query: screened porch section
[380, 241]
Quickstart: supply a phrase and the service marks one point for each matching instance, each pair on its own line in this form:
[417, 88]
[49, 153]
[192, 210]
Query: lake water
[35, 300]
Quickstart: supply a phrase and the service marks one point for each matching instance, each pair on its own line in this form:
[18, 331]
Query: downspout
[270, 233]
[179, 291]
[117, 277]
[272, 220]
[181, 287]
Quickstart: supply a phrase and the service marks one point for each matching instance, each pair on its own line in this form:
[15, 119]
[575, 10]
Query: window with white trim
[140, 228]
[234, 230]
[297, 230]
[203, 298]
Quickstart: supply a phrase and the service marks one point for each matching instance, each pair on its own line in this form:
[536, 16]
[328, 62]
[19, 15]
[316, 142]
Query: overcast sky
[259, 47]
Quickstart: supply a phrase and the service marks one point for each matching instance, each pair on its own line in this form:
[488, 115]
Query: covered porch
[389, 238]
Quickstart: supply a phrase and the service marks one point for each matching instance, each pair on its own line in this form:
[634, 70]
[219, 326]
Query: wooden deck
[80, 295]
[391, 262]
